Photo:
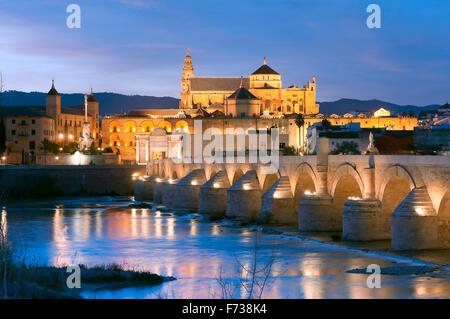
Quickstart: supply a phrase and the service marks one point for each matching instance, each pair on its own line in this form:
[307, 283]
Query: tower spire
[265, 60]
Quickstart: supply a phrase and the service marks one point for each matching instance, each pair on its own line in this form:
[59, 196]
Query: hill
[109, 103]
[114, 103]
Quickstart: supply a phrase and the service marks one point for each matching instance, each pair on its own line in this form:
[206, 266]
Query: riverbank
[43, 282]
[40, 181]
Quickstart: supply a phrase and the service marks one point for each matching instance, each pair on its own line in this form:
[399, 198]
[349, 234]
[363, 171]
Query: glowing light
[276, 195]
[246, 187]
[354, 198]
[216, 185]
[60, 149]
[3, 157]
[419, 211]
[56, 157]
[70, 136]
[77, 158]
[193, 183]
[60, 136]
[158, 180]
[308, 193]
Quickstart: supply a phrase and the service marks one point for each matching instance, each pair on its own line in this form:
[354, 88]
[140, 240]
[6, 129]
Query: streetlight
[60, 136]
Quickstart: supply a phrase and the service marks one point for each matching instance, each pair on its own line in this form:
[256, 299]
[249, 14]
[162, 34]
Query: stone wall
[47, 181]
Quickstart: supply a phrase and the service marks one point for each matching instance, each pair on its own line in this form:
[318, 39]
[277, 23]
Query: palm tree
[300, 122]
[326, 125]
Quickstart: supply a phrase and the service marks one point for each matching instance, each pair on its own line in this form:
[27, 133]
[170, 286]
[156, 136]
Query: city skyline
[137, 47]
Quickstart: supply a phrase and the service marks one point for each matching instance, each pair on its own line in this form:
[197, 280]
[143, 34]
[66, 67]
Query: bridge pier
[143, 189]
[158, 190]
[414, 222]
[362, 220]
[168, 190]
[278, 203]
[316, 213]
[213, 195]
[187, 190]
[244, 197]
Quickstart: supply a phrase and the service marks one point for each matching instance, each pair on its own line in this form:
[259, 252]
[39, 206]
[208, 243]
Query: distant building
[439, 118]
[264, 83]
[28, 126]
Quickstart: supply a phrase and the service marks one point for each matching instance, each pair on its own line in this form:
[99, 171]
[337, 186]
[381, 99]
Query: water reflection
[195, 252]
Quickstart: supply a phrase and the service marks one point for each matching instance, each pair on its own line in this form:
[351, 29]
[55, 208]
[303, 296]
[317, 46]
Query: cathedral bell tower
[188, 73]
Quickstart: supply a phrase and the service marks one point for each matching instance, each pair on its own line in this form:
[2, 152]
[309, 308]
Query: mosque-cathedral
[255, 102]
[264, 83]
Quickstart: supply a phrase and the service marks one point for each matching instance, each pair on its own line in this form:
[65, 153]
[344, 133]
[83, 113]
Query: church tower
[188, 73]
[92, 108]
[53, 103]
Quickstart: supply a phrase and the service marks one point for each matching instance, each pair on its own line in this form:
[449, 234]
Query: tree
[289, 150]
[346, 148]
[326, 125]
[48, 147]
[2, 136]
[300, 122]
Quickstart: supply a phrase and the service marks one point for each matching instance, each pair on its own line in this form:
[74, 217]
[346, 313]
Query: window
[242, 114]
[33, 132]
[13, 132]
[32, 145]
[115, 143]
[13, 121]
[33, 121]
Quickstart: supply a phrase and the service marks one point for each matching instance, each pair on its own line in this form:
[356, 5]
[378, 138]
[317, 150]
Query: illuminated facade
[265, 83]
[28, 126]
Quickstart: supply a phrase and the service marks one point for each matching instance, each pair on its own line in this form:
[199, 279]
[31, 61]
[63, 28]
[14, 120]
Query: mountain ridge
[115, 103]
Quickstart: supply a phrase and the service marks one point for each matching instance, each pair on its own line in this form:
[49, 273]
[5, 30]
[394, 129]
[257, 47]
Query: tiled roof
[242, 94]
[218, 84]
[265, 69]
[91, 98]
[53, 90]
[31, 111]
[77, 110]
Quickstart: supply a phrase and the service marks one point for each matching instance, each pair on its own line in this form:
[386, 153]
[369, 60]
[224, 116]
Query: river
[101, 230]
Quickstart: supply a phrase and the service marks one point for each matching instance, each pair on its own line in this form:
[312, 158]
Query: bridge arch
[342, 171]
[395, 170]
[269, 180]
[396, 183]
[238, 173]
[305, 181]
[444, 220]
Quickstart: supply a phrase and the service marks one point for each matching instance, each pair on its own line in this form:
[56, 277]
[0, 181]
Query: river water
[103, 230]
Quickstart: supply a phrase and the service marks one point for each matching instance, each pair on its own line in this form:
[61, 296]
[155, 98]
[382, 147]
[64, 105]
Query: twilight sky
[138, 46]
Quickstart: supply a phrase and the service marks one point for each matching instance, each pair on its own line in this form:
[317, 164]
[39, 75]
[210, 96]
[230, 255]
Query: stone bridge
[404, 198]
